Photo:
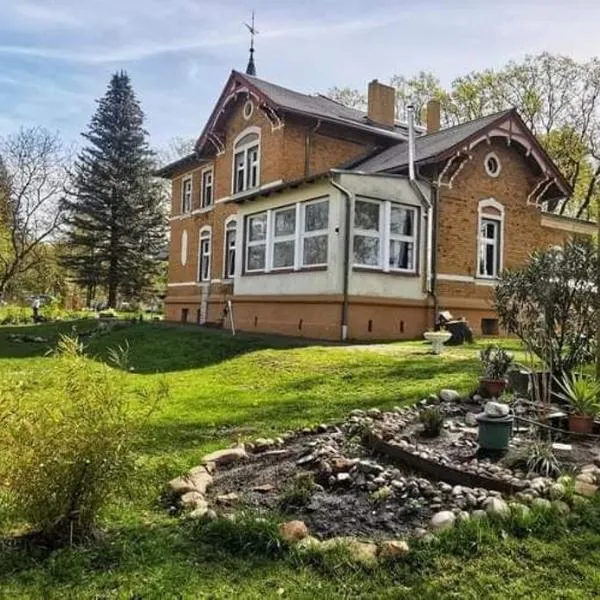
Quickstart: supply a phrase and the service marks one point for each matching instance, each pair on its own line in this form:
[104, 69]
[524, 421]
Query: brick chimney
[433, 116]
[381, 103]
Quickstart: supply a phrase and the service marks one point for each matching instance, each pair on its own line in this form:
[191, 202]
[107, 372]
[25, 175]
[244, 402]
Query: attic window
[248, 109]
[492, 165]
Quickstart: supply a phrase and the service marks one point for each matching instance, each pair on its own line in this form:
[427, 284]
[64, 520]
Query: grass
[224, 389]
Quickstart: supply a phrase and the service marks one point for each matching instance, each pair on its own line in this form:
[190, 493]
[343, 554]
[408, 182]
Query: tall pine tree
[115, 215]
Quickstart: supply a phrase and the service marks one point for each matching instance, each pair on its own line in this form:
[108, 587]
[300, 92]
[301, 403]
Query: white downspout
[410, 109]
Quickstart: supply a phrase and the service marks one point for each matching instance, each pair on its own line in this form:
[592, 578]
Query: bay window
[204, 255]
[385, 235]
[246, 161]
[315, 233]
[256, 242]
[288, 238]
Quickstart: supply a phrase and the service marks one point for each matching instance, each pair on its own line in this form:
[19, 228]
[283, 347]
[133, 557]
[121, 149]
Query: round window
[248, 109]
[492, 165]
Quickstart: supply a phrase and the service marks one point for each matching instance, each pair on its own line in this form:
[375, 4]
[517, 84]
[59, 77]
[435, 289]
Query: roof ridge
[496, 114]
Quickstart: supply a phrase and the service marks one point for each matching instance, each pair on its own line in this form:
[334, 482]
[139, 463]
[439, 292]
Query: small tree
[551, 304]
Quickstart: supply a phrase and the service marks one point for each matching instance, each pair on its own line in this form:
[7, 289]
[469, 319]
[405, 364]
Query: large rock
[496, 506]
[308, 543]
[200, 478]
[585, 489]
[193, 500]
[225, 457]
[586, 477]
[393, 549]
[293, 531]
[442, 520]
[541, 503]
[180, 486]
[496, 409]
[449, 395]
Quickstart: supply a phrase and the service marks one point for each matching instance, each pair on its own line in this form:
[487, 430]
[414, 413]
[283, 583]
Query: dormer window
[246, 160]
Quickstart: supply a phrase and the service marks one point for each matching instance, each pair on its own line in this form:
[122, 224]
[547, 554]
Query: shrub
[551, 304]
[496, 361]
[581, 392]
[298, 493]
[432, 420]
[537, 456]
[66, 444]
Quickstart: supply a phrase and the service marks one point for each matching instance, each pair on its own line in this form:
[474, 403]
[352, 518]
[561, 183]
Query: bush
[551, 304]
[537, 456]
[432, 420]
[66, 443]
[298, 493]
[496, 361]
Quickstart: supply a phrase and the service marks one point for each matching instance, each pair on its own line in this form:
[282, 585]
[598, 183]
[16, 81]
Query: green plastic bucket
[494, 433]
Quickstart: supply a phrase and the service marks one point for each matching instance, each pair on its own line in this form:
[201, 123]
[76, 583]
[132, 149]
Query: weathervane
[251, 68]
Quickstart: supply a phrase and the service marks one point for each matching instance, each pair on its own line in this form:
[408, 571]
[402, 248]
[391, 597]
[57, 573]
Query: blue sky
[56, 56]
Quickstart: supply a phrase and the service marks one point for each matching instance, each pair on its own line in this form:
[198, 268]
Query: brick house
[318, 220]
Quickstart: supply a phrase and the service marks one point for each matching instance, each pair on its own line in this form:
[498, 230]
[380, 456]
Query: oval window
[184, 247]
[248, 109]
[492, 165]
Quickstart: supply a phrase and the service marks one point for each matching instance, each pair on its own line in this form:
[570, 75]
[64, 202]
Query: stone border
[437, 470]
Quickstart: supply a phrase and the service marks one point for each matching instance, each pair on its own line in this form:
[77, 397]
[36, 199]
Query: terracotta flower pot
[493, 387]
[581, 423]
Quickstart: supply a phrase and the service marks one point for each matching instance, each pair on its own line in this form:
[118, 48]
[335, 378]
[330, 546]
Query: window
[492, 165]
[248, 109]
[246, 158]
[385, 235]
[204, 255]
[291, 237]
[256, 242]
[489, 327]
[207, 188]
[184, 247]
[186, 195]
[230, 232]
[315, 233]
[284, 238]
[489, 248]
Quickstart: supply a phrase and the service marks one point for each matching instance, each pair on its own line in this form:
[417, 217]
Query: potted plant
[582, 393]
[496, 362]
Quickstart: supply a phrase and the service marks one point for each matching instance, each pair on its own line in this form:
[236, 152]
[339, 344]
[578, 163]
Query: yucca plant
[581, 392]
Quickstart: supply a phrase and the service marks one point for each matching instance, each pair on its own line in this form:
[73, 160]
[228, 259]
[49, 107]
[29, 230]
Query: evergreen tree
[116, 221]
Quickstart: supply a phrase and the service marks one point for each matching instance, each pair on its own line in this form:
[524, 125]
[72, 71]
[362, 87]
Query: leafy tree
[116, 219]
[558, 97]
[33, 168]
[552, 304]
[348, 97]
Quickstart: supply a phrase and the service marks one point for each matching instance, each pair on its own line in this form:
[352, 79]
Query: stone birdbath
[437, 339]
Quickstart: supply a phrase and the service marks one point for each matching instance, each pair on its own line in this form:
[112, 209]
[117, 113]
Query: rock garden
[410, 472]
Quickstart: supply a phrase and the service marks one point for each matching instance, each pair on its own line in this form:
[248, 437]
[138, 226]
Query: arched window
[230, 235]
[246, 160]
[490, 238]
[184, 247]
[204, 255]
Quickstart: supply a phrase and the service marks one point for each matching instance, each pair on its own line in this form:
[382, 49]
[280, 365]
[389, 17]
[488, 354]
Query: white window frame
[290, 237]
[244, 149]
[400, 237]
[248, 244]
[203, 187]
[385, 236]
[230, 225]
[486, 167]
[205, 235]
[303, 234]
[185, 194]
[498, 244]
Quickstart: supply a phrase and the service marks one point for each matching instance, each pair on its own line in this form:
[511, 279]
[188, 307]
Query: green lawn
[223, 389]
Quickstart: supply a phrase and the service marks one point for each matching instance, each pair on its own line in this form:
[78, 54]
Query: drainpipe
[435, 195]
[410, 109]
[348, 196]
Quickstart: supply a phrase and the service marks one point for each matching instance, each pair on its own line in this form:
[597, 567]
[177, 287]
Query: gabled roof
[443, 144]
[283, 100]
[429, 146]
